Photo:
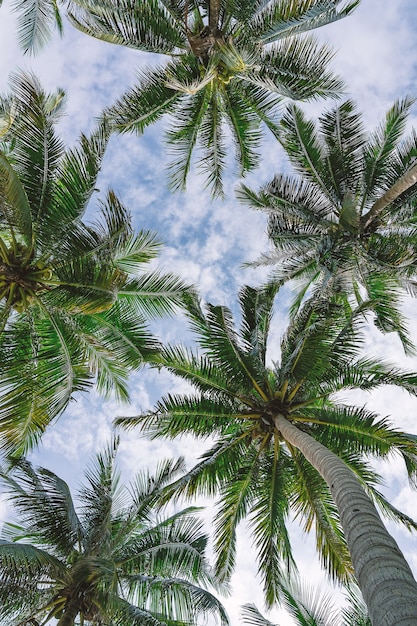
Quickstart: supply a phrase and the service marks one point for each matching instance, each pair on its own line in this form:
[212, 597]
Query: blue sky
[206, 242]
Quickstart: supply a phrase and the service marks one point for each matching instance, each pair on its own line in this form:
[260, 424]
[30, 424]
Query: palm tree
[312, 607]
[346, 223]
[232, 62]
[73, 295]
[110, 560]
[283, 443]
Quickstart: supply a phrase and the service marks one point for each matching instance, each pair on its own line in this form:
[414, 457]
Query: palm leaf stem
[70, 377]
[6, 311]
[295, 390]
[244, 367]
[4, 253]
[399, 187]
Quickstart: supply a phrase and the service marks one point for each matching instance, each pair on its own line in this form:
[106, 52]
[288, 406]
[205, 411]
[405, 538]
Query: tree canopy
[73, 294]
[111, 558]
[251, 467]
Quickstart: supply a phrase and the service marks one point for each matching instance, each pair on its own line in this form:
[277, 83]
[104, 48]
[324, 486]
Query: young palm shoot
[347, 222]
[73, 295]
[285, 443]
[112, 559]
[232, 64]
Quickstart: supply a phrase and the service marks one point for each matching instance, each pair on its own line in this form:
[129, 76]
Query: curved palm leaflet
[111, 559]
[313, 607]
[232, 63]
[73, 295]
[284, 443]
[347, 223]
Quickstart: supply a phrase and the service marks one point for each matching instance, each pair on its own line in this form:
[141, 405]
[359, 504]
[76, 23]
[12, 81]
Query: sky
[206, 241]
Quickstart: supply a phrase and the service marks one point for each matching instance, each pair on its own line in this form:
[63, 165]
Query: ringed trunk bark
[405, 182]
[384, 576]
[71, 612]
[214, 15]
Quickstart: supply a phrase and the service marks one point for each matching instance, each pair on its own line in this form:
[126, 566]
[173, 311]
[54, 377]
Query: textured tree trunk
[405, 182]
[214, 13]
[71, 612]
[384, 576]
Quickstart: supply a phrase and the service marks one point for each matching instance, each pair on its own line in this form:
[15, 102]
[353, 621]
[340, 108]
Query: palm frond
[343, 133]
[45, 506]
[146, 103]
[36, 161]
[36, 19]
[256, 305]
[269, 518]
[244, 125]
[183, 137]
[212, 163]
[14, 205]
[280, 19]
[150, 26]
[76, 177]
[296, 69]
[378, 151]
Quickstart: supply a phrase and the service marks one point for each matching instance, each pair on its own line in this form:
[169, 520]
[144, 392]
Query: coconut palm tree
[110, 559]
[312, 607]
[284, 443]
[73, 295]
[347, 222]
[232, 62]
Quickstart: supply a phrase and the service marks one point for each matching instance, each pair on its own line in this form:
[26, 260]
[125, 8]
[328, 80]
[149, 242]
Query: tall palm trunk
[405, 182]
[71, 612]
[384, 576]
[214, 14]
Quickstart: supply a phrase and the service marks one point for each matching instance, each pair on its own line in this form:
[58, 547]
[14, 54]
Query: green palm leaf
[36, 19]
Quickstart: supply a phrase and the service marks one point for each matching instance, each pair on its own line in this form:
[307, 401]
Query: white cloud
[207, 241]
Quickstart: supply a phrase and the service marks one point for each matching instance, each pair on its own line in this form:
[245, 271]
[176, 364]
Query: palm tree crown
[338, 226]
[231, 64]
[111, 560]
[257, 470]
[73, 295]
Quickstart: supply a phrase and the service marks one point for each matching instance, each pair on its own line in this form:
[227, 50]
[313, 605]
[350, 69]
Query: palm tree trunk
[405, 182]
[384, 576]
[214, 14]
[71, 611]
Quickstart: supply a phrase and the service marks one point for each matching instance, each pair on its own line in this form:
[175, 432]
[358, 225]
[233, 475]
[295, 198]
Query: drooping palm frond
[313, 607]
[35, 21]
